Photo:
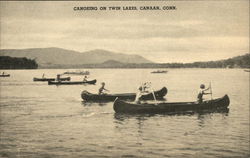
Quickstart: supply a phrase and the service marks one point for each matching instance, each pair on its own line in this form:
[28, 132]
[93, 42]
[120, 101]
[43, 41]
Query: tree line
[7, 62]
[243, 61]
[236, 62]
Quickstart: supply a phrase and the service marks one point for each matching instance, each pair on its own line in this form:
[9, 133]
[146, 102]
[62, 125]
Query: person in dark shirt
[58, 77]
[85, 78]
[102, 89]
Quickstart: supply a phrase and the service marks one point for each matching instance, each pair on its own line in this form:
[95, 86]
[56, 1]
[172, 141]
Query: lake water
[47, 121]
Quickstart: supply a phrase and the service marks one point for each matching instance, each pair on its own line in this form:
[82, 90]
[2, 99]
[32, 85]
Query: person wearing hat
[201, 93]
[85, 78]
[102, 89]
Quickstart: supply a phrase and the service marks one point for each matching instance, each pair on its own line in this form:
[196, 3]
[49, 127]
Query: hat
[202, 86]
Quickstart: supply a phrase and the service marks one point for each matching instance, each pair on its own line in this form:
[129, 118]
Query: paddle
[152, 91]
[210, 86]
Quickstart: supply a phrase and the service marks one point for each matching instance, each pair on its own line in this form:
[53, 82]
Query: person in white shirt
[201, 92]
[143, 89]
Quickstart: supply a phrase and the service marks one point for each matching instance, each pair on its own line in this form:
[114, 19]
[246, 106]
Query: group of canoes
[125, 103]
[51, 79]
[128, 103]
[63, 80]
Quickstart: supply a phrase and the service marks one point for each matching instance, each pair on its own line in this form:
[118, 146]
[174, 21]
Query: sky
[196, 31]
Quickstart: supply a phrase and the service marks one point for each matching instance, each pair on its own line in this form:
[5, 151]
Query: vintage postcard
[129, 79]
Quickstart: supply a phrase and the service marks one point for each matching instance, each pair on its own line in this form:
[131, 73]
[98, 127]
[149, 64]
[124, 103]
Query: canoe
[247, 70]
[174, 107]
[71, 83]
[7, 75]
[124, 96]
[51, 79]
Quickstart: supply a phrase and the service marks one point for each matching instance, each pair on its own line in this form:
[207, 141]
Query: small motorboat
[160, 71]
[124, 96]
[168, 107]
[71, 83]
[77, 73]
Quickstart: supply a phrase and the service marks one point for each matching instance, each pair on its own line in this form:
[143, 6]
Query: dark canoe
[177, 107]
[7, 75]
[124, 96]
[71, 83]
[51, 79]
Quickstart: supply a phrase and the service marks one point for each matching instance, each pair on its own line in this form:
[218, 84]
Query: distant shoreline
[236, 62]
[14, 63]
[124, 68]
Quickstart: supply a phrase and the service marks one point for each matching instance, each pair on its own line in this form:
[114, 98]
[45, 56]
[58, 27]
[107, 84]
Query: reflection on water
[38, 120]
[121, 119]
[84, 103]
[201, 115]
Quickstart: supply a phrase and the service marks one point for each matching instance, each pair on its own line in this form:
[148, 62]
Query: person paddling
[201, 92]
[141, 90]
[102, 89]
[58, 77]
[85, 79]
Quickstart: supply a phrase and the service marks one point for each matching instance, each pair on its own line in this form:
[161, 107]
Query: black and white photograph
[124, 79]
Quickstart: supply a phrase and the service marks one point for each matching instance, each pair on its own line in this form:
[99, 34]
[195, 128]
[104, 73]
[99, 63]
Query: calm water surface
[47, 121]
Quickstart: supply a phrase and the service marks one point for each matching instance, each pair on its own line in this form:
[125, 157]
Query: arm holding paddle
[209, 88]
[106, 89]
[102, 89]
[151, 89]
[144, 89]
[202, 92]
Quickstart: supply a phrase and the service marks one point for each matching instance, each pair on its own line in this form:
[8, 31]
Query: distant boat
[5, 75]
[168, 107]
[51, 79]
[247, 70]
[160, 71]
[71, 83]
[77, 73]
